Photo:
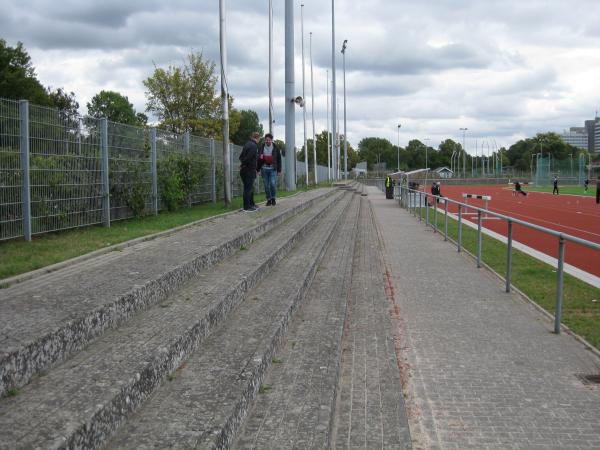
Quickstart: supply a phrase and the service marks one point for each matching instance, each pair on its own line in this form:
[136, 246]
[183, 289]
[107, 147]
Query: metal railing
[412, 199]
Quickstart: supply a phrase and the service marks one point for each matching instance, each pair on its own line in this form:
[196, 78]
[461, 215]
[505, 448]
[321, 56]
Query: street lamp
[345, 135]
[399, 126]
[464, 154]
[426, 139]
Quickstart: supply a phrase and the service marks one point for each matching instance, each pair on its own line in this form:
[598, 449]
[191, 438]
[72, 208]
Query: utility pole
[271, 66]
[303, 93]
[328, 140]
[290, 118]
[345, 131]
[333, 95]
[225, 102]
[312, 90]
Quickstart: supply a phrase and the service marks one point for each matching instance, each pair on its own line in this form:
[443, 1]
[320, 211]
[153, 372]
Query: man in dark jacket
[269, 165]
[598, 191]
[248, 160]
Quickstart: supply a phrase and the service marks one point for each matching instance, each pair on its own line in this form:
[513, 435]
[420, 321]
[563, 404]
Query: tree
[248, 123]
[115, 107]
[64, 101]
[17, 76]
[185, 98]
[374, 150]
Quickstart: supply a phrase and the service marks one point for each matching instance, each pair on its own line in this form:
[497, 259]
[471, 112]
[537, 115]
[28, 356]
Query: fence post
[231, 168]
[426, 210]
[459, 227]
[213, 172]
[435, 224]
[559, 284]
[420, 206]
[478, 238]
[509, 256]
[154, 170]
[24, 144]
[445, 219]
[105, 186]
[186, 142]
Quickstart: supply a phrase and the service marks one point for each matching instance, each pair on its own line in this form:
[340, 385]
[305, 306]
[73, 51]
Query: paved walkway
[482, 368]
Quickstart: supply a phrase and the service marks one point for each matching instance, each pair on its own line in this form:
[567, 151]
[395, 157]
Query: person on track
[518, 189]
[555, 186]
[598, 191]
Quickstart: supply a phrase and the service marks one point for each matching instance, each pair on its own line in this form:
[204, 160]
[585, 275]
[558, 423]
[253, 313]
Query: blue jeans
[269, 176]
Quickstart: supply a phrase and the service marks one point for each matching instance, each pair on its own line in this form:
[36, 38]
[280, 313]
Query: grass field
[19, 256]
[572, 190]
[537, 280]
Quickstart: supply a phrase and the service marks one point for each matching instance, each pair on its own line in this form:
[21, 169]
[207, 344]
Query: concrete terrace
[323, 322]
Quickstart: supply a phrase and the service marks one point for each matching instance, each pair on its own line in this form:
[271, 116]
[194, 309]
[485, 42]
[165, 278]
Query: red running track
[570, 214]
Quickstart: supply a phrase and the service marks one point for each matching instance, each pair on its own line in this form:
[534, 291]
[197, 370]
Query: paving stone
[48, 317]
[204, 404]
[298, 411]
[370, 412]
[470, 351]
[79, 403]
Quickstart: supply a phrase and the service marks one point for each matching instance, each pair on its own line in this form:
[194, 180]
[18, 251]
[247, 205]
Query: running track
[575, 215]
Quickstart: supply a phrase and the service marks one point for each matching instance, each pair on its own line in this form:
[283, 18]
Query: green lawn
[573, 190]
[18, 256]
[581, 302]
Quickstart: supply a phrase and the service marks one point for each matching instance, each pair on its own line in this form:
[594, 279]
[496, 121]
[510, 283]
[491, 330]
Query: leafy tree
[17, 76]
[64, 101]
[373, 150]
[248, 123]
[185, 98]
[321, 139]
[115, 107]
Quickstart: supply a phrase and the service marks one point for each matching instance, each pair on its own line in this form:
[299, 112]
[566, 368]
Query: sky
[503, 69]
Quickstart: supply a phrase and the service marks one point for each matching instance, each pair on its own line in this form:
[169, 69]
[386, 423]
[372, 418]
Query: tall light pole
[345, 132]
[399, 126]
[328, 140]
[333, 94]
[271, 66]
[225, 103]
[426, 140]
[464, 153]
[290, 118]
[303, 92]
[312, 90]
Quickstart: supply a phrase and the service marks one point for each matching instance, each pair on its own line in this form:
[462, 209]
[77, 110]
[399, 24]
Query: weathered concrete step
[49, 317]
[296, 411]
[370, 410]
[204, 404]
[79, 403]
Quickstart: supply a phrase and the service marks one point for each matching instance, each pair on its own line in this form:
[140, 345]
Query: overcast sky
[504, 69]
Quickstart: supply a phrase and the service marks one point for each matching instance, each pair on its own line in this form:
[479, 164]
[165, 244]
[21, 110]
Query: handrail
[562, 237]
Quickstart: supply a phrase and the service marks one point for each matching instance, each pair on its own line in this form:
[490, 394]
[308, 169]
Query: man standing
[555, 184]
[598, 191]
[269, 164]
[248, 171]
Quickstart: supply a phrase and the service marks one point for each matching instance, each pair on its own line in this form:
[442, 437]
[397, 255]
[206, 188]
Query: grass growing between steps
[19, 256]
[581, 302]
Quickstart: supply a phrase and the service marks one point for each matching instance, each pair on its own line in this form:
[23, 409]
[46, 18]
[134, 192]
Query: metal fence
[416, 201]
[61, 171]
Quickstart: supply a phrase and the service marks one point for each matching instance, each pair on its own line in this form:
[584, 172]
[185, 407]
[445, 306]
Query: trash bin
[389, 188]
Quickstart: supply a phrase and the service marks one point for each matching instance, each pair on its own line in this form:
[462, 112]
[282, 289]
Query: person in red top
[269, 165]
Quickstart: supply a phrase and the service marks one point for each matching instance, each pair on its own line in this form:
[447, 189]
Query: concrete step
[48, 317]
[297, 410]
[370, 410]
[203, 406]
[80, 403]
